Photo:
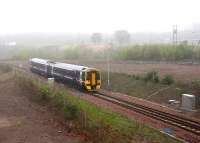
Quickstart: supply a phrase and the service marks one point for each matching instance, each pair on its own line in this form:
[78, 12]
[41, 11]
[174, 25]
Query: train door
[49, 70]
[93, 78]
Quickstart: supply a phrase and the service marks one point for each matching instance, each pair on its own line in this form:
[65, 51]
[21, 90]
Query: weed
[58, 100]
[4, 68]
[152, 76]
[70, 111]
[168, 79]
[137, 77]
[45, 92]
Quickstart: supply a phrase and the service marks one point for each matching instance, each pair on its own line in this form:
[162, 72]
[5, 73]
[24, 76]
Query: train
[86, 78]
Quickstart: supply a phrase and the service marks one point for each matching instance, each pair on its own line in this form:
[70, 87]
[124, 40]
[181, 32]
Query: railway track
[181, 122]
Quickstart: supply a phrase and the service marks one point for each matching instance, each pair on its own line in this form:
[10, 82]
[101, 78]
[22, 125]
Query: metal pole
[108, 69]
[174, 34]
[108, 65]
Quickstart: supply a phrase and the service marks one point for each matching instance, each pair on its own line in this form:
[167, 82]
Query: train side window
[83, 76]
[98, 75]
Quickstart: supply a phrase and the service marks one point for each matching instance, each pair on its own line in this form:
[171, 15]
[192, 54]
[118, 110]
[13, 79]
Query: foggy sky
[106, 16]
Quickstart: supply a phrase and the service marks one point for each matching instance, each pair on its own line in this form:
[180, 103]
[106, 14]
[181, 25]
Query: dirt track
[22, 121]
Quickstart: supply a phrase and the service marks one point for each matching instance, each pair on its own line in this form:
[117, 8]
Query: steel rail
[183, 123]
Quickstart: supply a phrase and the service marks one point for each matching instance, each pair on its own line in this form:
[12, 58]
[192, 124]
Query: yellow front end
[93, 80]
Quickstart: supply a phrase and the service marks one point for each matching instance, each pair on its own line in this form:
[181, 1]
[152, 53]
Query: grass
[148, 86]
[4, 68]
[168, 79]
[152, 77]
[99, 125]
[133, 85]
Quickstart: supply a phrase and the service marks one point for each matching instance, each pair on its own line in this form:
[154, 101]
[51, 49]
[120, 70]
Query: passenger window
[98, 75]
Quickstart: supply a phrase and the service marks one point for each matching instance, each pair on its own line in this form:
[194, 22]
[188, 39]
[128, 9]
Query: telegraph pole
[174, 34]
[108, 64]
[108, 67]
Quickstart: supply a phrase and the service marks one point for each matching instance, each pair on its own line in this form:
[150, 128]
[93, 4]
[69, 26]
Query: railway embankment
[85, 118]
[23, 121]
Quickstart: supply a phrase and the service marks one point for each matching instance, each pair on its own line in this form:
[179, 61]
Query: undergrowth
[152, 76]
[168, 79]
[4, 68]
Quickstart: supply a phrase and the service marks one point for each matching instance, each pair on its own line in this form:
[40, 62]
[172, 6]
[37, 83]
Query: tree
[122, 37]
[96, 38]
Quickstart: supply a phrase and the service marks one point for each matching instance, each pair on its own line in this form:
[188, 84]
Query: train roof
[70, 66]
[37, 60]
[60, 65]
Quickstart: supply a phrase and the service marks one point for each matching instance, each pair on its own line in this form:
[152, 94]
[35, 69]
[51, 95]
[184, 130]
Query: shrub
[168, 79]
[152, 76]
[137, 77]
[70, 111]
[58, 99]
[45, 92]
[4, 68]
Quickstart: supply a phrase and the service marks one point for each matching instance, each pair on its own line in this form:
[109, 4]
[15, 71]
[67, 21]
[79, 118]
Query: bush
[152, 76]
[58, 99]
[168, 79]
[137, 77]
[4, 68]
[70, 111]
[45, 92]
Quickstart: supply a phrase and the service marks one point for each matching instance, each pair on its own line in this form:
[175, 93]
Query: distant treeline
[68, 52]
[156, 52]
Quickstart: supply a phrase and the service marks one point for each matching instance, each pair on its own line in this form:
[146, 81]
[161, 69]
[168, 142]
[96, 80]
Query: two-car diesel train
[87, 78]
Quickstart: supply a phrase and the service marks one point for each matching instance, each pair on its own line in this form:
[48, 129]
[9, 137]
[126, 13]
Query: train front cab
[92, 79]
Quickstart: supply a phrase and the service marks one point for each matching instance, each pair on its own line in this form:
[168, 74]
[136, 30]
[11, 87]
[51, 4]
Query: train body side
[87, 78]
[38, 66]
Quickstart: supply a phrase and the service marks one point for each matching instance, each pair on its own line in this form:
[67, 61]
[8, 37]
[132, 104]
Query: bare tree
[96, 38]
[122, 37]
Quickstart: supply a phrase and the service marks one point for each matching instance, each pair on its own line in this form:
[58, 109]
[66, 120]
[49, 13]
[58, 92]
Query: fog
[57, 24]
[88, 16]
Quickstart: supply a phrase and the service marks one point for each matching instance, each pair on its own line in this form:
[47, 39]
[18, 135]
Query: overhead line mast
[174, 34]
